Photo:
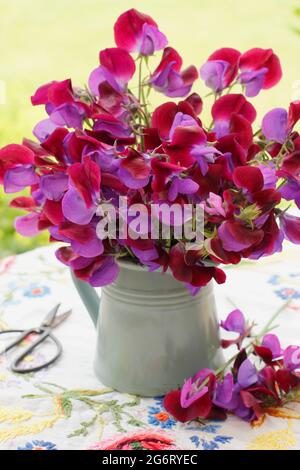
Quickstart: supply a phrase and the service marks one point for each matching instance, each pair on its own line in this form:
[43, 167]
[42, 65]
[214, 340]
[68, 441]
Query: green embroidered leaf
[83, 430]
[66, 405]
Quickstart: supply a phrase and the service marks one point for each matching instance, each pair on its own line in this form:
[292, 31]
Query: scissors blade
[60, 318]
[48, 320]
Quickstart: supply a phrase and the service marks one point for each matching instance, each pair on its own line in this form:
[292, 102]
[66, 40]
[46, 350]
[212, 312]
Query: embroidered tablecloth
[65, 407]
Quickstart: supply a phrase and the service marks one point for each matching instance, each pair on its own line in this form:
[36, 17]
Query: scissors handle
[43, 333]
[46, 333]
[24, 334]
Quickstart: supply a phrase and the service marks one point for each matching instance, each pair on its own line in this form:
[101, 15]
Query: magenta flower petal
[213, 73]
[119, 63]
[130, 34]
[88, 249]
[193, 389]
[290, 225]
[75, 210]
[19, 177]
[27, 225]
[152, 40]
[272, 342]
[247, 374]
[106, 274]
[275, 125]
[54, 186]
[253, 81]
[291, 357]
[44, 129]
[235, 321]
[224, 393]
[68, 114]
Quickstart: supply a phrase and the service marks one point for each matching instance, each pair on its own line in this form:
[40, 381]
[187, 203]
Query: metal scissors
[43, 332]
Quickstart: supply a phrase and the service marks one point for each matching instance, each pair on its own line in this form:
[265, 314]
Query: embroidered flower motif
[286, 293]
[39, 445]
[35, 290]
[211, 443]
[146, 440]
[157, 416]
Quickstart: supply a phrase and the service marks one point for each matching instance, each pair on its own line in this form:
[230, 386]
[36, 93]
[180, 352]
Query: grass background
[42, 40]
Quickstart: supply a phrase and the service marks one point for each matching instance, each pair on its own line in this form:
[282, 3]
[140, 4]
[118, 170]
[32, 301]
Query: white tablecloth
[65, 407]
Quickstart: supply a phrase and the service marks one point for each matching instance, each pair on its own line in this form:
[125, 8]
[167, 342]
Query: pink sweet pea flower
[137, 32]
[260, 69]
[168, 77]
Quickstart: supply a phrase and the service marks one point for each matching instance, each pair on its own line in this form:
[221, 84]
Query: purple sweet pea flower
[130, 181]
[235, 321]
[106, 274]
[145, 256]
[229, 241]
[27, 225]
[54, 186]
[193, 388]
[151, 40]
[290, 225]
[247, 374]
[224, 393]
[19, 177]
[275, 125]
[291, 357]
[272, 342]
[214, 205]
[213, 73]
[182, 120]
[253, 81]
[43, 129]
[269, 175]
[68, 114]
[290, 191]
[181, 186]
[75, 210]
[204, 155]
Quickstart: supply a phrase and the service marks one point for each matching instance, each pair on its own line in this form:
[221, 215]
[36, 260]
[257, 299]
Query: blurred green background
[42, 40]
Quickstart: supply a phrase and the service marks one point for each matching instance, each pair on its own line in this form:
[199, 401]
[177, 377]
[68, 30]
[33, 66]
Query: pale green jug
[152, 334]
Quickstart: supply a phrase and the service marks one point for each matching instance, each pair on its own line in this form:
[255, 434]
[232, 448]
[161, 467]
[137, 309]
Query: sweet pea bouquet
[104, 141]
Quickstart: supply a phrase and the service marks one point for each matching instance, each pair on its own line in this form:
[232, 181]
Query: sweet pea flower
[220, 69]
[235, 321]
[62, 106]
[134, 170]
[260, 69]
[168, 116]
[269, 349]
[168, 77]
[79, 203]
[278, 123]
[291, 358]
[231, 111]
[290, 225]
[189, 145]
[137, 32]
[185, 186]
[13, 155]
[116, 68]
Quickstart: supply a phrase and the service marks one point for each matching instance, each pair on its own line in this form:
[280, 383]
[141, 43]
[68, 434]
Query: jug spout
[89, 297]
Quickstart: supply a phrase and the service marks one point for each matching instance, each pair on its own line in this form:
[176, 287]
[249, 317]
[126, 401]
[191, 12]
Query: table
[65, 407]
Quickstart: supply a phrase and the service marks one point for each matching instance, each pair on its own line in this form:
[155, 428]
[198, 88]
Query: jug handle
[89, 297]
